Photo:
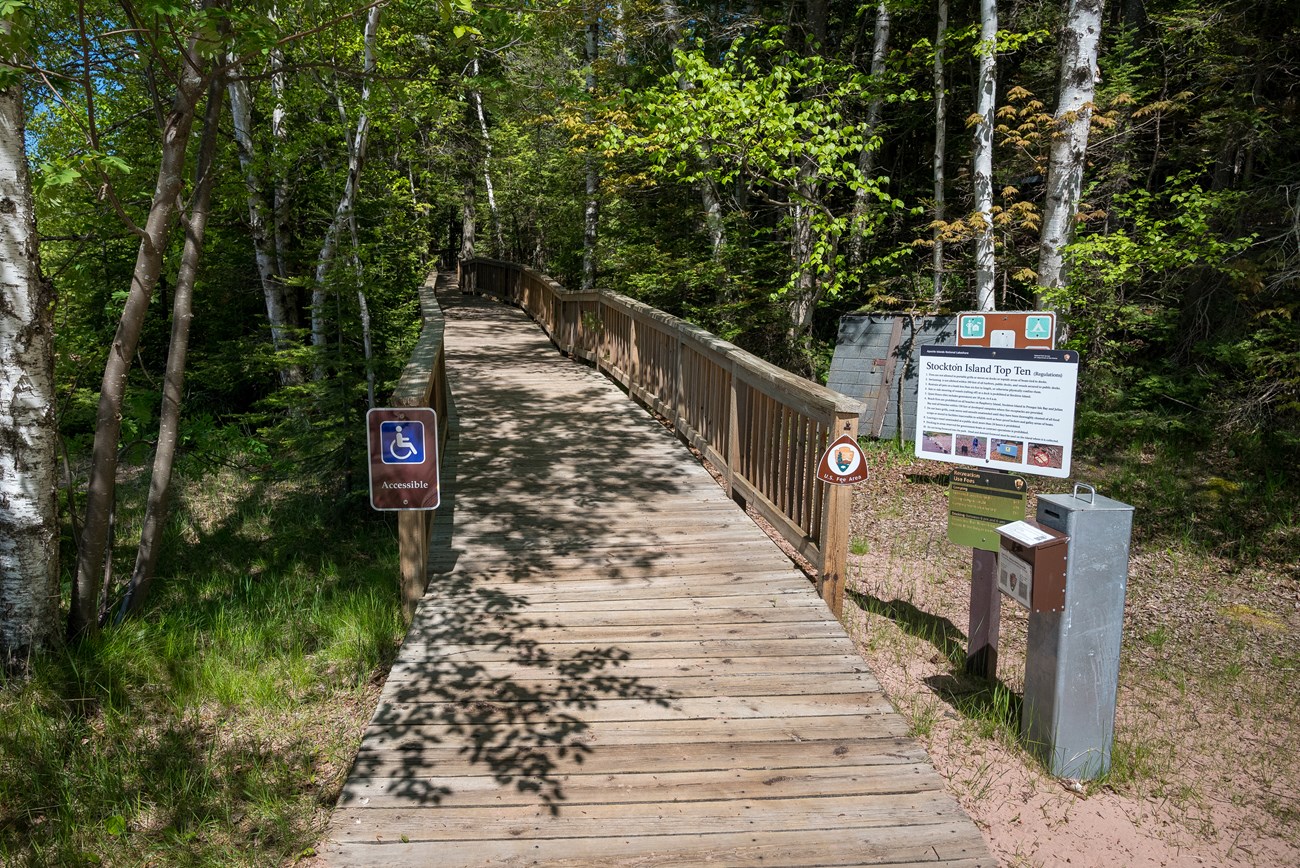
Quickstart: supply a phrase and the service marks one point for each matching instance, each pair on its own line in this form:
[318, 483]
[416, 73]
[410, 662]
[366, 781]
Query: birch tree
[196, 223]
[29, 528]
[262, 222]
[940, 148]
[982, 155]
[191, 71]
[1069, 147]
[591, 208]
[356, 150]
[871, 141]
[476, 101]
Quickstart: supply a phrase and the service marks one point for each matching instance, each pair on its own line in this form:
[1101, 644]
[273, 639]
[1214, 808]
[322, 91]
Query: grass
[216, 728]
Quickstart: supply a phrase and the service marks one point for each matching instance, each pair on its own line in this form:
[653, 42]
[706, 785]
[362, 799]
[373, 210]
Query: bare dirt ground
[1205, 768]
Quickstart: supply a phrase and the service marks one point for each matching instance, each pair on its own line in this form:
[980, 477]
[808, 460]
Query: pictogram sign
[403, 446]
[843, 463]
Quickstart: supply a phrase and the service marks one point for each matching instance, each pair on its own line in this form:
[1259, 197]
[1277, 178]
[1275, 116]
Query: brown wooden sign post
[403, 458]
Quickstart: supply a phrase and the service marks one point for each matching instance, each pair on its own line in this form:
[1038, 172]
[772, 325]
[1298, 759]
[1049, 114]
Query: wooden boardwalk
[613, 665]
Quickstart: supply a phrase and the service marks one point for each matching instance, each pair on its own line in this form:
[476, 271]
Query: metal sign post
[978, 502]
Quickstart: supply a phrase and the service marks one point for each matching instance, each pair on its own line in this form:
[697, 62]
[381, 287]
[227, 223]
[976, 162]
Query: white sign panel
[1015, 578]
[997, 407]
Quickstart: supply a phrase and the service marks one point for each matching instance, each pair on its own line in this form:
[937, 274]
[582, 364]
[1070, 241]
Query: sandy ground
[1216, 777]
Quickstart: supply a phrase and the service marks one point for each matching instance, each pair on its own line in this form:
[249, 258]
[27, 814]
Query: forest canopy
[278, 177]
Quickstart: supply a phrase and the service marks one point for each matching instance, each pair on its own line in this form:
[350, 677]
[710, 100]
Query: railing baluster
[763, 427]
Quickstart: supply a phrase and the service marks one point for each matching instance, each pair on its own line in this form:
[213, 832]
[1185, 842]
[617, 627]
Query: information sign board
[979, 501]
[403, 446]
[1019, 329]
[1003, 409]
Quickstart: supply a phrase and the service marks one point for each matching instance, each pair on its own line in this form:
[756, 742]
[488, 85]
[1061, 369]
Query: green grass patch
[216, 728]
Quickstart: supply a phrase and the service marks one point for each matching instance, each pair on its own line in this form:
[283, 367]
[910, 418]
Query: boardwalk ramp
[613, 665]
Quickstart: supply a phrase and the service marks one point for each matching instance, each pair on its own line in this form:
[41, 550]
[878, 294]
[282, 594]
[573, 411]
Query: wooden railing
[423, 384]
[763, 428]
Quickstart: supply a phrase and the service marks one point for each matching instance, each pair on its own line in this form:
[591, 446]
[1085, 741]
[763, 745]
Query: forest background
[243, 198]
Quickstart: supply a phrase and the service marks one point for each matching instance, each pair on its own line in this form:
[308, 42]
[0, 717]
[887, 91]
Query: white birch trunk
[983, 155]
[259, 213]
[591, 210]
[867, 159]
[1078, 84]
[476, 97]
[29, 528]
[940, 149]
[347, 201]
[280, 202]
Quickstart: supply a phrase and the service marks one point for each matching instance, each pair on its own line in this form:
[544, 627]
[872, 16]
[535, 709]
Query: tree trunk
[983, 156]
[940, 148]
[155, 518]
[591, 210]
[1078, 83]
[280, 228]
[259, 221]
[29, 526]
[347, 201]
[870, 147]
[86, 587]
[476, 98]
[709, 198]
[468, 209]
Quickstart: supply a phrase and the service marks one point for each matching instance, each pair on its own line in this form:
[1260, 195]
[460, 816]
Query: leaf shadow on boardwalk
[524, 728]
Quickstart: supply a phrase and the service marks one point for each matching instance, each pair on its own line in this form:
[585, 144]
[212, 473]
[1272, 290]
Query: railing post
[411, 532]
[837, 509]
[733, 434]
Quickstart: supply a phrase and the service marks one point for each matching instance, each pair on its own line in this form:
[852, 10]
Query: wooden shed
[876, 357]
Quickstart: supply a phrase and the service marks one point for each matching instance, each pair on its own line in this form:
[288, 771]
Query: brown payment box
[1031, 565]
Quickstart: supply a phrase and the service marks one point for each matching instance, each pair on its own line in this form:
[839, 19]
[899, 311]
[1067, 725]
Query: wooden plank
[898, 782]
[654, 649]
[396, 758]
[883, 731]
[807, 621]
[612, 665]
[659, 707]
[701, 818]
[953, 843]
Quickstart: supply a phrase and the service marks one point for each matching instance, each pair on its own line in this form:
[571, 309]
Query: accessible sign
[998, 408]
[403, 446]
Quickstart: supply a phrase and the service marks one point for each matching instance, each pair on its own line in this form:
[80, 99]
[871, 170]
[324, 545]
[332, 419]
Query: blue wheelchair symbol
[401, 442]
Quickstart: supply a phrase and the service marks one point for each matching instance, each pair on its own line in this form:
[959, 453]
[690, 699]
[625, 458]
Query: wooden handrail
[762, 426]
[423, 384]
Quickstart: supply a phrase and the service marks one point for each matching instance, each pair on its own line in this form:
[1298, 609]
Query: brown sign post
[403, 458]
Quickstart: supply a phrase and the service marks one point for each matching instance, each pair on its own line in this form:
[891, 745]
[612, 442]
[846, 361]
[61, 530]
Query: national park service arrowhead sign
[843, 463]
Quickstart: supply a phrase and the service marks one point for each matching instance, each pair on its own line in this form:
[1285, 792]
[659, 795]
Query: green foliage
[210, 730]
[770, 118]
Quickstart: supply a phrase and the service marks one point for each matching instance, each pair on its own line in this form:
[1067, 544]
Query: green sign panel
[1038, 328]
[972, 326]
[979, 501]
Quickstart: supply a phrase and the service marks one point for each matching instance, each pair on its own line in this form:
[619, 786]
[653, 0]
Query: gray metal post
[1072, 662]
